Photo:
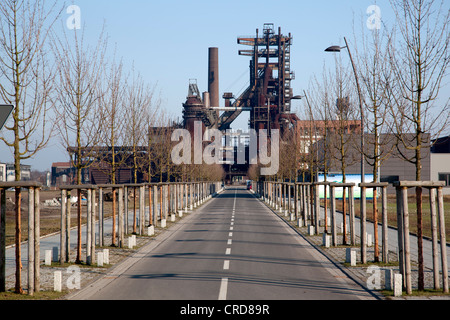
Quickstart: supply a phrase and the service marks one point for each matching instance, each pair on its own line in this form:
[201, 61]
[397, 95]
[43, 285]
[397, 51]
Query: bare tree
[27, 83]
[141, 111]
[112, 113]
[342, 137]
[342, 113]
[138, 116]
[321, 97]
[287, 153]
[419, 60]
[375, 74]
[80, 69]
[161, 145]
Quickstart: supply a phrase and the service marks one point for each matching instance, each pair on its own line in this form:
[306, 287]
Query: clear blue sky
[168, 42]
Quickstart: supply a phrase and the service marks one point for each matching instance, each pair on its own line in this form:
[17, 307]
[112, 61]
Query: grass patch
[69, 264]
[417, 293]
[41, 295]
[372, 263]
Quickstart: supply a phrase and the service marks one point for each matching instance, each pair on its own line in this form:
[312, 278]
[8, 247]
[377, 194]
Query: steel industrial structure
[268, 96]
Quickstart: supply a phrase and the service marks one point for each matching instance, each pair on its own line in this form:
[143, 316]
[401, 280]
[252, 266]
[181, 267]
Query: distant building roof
[61, 164]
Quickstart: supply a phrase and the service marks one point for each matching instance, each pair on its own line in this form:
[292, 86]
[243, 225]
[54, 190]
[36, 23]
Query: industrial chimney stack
[213, 77]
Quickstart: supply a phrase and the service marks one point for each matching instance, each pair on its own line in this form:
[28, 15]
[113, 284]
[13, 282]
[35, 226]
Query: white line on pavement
[226, 263]
[223, 289]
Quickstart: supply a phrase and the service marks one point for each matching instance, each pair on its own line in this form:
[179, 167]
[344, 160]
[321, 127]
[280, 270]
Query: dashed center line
[226, 264]
[223, 289]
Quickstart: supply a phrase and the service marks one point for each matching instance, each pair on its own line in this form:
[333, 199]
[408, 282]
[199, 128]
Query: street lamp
[338, 49]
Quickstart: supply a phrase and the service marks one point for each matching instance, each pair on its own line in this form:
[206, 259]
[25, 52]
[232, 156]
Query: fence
[384, 219]
[173, 198]
[299, 201]
[306, 203]
[164, 200]
[33, 236]
[436, 195]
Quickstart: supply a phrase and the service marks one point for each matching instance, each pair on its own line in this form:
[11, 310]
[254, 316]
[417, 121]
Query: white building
[2, 172]
[440, 170]
[25, 172]
[440, 162]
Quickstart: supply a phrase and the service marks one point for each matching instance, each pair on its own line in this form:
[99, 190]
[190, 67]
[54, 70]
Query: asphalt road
[231, 248]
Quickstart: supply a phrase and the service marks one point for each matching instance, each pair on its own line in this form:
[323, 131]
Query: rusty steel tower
[270, 89]
[268, 96]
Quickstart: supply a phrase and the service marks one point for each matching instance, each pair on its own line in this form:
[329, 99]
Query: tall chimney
[213, 76]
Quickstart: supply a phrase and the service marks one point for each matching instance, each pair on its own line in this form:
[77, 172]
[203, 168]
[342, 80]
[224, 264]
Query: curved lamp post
[362, 192]
[338, 49]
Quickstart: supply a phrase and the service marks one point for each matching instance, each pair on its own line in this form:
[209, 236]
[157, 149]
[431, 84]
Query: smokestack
[206, 101]
[213, 76]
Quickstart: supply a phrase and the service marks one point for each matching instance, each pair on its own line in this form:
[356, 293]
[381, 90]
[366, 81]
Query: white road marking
[223, 289]
[226, 263]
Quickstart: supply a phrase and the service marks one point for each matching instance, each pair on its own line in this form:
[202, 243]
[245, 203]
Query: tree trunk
[113, 239]
[78, 259]
[421, 285]
[78, 166]
[18, 286]
[134, 210]
[375, 226]
[344, 213]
